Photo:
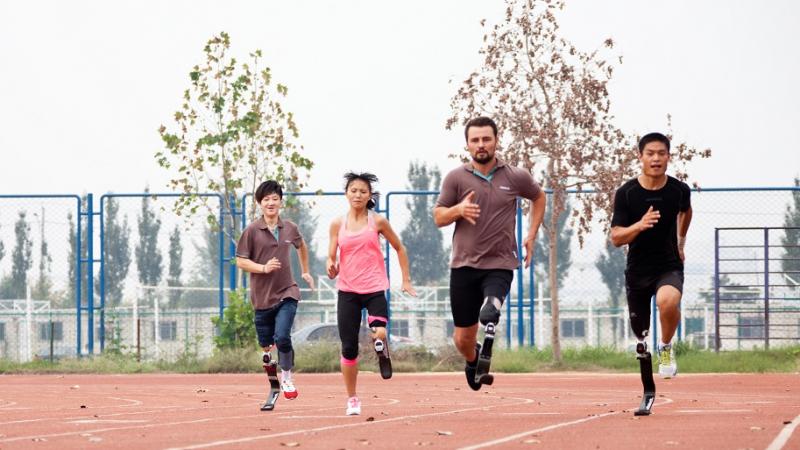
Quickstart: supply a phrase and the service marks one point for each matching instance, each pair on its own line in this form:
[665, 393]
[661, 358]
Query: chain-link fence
[151, 280]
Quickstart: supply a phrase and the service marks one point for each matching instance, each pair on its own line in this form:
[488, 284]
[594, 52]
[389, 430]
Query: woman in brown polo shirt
[264, 251]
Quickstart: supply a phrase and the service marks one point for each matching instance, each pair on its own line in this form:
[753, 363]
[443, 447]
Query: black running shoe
[470, 369]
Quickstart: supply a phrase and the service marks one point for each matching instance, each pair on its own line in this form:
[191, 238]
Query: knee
[462, 341]
[284, 343]
[669, 304]
[350, 350]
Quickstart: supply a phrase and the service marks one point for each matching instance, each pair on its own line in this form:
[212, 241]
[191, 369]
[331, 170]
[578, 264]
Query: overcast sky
[85, 85]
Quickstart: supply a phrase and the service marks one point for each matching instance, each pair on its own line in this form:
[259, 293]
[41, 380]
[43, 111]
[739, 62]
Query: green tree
[175, 267]
[148, 256]
[791, 238]
[551, 101]
[43, 287]
[205, 269]
[421, 236]
[611, 265]
[542, 248]
[116, 253]
[230, 133]
[236, 327]
[71, 295]
[299, 211]
[16, 285]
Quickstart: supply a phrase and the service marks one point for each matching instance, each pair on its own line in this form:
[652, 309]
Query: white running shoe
[353, 406]
[289, 391]
[667, 365]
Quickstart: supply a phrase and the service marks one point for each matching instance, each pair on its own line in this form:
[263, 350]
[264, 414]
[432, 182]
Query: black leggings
[348, 315]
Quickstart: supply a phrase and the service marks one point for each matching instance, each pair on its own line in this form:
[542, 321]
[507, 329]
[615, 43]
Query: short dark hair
[653, 137]
[368, 178]
[480, 122]
[268, 187]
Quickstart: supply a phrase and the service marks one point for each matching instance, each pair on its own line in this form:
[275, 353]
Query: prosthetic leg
[271, 368]
[646, 370]
[384, 361]
[489, 317]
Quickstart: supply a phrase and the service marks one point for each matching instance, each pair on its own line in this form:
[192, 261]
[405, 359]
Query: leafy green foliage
[421, 237]
[116, 251]
[230, 133]
[236, 328]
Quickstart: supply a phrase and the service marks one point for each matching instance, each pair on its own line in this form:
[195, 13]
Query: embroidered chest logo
[505, 188]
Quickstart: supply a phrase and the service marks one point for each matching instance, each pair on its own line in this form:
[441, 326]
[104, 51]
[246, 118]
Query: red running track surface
[563, 410]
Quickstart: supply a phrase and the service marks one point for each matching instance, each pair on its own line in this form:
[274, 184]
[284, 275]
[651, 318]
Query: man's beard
[483, 159]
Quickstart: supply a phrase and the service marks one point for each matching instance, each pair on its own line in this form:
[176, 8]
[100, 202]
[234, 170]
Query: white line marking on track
[533, 414]
[538, 430]
[86, 421]
[548, 428]
[783, 437]
[349, 425]
[7, 404]
[133, 402]
[713, 411]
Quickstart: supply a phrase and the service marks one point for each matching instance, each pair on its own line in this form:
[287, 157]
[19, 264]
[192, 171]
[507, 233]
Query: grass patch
[324, 358]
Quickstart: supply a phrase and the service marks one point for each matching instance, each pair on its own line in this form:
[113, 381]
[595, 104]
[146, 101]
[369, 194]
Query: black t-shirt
[654, 250]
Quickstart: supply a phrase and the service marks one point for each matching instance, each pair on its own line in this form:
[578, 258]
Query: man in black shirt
[652, 213]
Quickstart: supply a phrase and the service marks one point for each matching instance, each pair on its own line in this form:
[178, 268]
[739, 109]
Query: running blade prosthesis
[384, 362]
[271, 368]
[482, 374]
[646, 370]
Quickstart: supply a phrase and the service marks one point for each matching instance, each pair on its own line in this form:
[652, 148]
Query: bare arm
[684, 219]
[332, 265]
[385, 228]
[444, 216]
[253, 267]
[302, 253]
[625, 235]
[537, 215]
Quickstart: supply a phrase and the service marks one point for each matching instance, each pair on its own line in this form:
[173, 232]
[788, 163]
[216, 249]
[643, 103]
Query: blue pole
[221, 258]
[231, 245]
[244, 224]
[766, 288]
[387, 261]
[90, 271]
[102, 280]
[520, 294]
[532, 314]
[716, 291]
[78, 264]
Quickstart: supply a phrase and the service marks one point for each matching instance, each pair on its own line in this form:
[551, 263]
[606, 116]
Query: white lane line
[93, 421]
[350, 425]
[533, 414]
[6, 405]
[714, 411]
[783, 437]
[548, 428]
[133, 402]
[538, 430]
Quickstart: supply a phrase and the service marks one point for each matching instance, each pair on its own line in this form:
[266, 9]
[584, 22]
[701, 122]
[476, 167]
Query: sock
[662, 346]
[286, 375]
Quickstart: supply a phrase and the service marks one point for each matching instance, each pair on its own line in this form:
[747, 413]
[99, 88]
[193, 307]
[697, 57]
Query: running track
[565, 410]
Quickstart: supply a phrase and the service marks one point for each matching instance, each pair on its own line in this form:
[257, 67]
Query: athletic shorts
[640, 288]
[470, 286]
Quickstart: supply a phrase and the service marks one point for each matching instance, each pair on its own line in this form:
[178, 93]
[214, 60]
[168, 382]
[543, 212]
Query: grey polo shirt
[490, 243]
[259, 245]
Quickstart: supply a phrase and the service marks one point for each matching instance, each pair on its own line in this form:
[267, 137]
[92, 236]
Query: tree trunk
[557, 208]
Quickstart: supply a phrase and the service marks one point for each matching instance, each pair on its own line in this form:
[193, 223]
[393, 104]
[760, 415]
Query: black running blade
[649, 385]
[647, 404]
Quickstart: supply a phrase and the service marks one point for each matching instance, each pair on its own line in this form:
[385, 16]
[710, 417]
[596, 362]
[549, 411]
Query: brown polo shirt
[259, 245]
[490, 243]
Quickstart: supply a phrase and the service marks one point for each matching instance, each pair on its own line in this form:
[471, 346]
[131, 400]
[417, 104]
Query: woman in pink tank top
[362, 282]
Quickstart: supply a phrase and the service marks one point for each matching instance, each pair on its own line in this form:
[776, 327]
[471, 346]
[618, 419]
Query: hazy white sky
[85, 85]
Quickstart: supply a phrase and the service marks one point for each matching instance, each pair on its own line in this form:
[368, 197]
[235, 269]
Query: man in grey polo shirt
[480, 198]
[264, 251]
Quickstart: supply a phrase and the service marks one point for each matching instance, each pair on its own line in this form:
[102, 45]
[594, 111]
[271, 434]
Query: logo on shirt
[505, 188]
[287, 242]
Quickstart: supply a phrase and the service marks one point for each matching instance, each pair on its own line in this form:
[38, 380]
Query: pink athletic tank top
[361, 265]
